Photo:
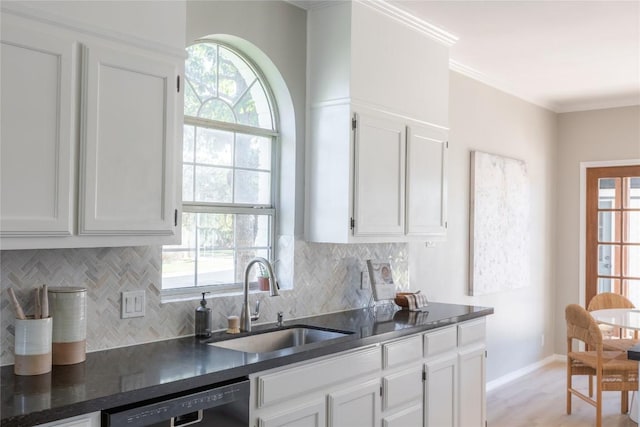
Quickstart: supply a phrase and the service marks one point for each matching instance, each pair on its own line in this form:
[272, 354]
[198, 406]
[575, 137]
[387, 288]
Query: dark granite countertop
[120, 376]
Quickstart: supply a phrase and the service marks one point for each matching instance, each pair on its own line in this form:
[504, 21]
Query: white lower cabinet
[355, 406]
[87, 420]
[440, 391]
[329, 391]
[471, 374]
[433, 379]
[313, 415]
[472, 387]
[412, 416]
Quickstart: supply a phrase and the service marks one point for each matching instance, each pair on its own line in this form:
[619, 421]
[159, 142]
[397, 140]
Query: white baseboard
[505, 379]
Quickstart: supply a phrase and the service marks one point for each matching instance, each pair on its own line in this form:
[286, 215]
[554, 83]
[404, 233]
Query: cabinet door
[36, 141]
[379, 176]
[356, 406]
[472, 387]
[88, 420]
[128, 141]
[426, 181]
[307, 416]
[411, 416]
[402, 388]
[441, 391]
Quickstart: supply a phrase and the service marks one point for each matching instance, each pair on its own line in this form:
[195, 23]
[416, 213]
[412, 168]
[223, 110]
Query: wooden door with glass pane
[613, 232]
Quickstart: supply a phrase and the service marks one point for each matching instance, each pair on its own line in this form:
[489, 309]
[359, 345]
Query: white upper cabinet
[91, 126]
[381, 178]
[127, 161]
[363, 53]
[37, 135]
[426, 181]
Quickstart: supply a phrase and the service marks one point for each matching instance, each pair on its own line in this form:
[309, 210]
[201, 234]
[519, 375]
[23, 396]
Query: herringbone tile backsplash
[323, 277]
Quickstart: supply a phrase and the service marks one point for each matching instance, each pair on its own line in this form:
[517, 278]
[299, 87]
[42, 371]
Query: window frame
[271, 210]
[592, 240]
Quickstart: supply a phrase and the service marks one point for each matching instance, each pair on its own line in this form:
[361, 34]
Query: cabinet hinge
[380, 390]
[424, 376]
[486, 354]
[353, 223]
[175, 217]
[447, 144]
[446, 224]
[178, 83]
[354, 123]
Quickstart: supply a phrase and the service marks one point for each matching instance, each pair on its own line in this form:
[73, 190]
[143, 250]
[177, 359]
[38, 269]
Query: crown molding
[420, 25]
[500, 85]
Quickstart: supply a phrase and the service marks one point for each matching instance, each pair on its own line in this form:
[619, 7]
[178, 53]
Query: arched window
[228, 170]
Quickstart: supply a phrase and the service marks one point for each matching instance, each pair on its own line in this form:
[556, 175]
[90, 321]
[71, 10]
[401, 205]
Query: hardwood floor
[538, 400]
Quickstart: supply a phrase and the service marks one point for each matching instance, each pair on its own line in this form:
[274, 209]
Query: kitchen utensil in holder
[68, 307]
[32, 346]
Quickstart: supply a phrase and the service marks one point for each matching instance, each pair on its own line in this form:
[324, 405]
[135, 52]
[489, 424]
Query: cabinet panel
[411, 416]
[472, 387]
[38, 100]
[471, 332]
[402, 387]
[292, 382]
[355, 407]
[416, 85]
[379, 176]
[127, 144]
[88, 420]
[401, 352]
[426, 181]
[307, 416]
[440, 341]
[441, 392]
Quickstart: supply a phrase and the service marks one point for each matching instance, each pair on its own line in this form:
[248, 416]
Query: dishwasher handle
[187, 419]
[150, 412]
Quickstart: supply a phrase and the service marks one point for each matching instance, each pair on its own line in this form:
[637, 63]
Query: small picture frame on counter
[381, 279]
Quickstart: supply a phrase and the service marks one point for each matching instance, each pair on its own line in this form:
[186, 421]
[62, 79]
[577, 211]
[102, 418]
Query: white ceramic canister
[32, 346]
[68, 307]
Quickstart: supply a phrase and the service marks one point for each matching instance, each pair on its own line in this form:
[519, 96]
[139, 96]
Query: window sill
[195, 294]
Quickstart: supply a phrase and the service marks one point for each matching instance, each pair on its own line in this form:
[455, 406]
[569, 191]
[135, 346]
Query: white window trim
[195, 292]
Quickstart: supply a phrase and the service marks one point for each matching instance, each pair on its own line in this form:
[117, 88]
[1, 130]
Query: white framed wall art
[499, 224]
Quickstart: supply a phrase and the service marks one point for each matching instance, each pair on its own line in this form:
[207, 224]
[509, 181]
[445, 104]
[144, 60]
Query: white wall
[485, 119]
[586, 136]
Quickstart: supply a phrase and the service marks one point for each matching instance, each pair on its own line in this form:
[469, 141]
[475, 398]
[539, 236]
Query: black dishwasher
[222, 405]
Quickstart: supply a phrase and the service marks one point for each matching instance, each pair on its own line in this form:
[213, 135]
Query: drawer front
[408, 417]
[440, 341]
[293, 382]
[399, 353]
[403, 387]
[471, 332]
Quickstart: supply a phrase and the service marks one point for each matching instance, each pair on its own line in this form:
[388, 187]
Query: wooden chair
[611, 369]
[610, 300]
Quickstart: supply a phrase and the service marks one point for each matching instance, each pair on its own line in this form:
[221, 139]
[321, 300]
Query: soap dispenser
[203, 319]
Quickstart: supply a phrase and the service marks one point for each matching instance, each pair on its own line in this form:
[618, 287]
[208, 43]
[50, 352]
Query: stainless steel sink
[279, 339]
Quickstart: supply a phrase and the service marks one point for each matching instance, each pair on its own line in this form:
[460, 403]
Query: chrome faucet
[245, 315]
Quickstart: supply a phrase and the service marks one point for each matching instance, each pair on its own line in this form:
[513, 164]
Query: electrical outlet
[132, 304]
[365, 282]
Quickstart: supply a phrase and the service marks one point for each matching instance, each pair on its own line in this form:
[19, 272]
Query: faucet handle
[256, 314]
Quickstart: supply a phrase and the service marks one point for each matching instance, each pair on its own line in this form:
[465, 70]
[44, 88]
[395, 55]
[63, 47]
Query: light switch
[133, 303]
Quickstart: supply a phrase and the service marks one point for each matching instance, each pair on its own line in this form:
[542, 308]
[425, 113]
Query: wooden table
[627, 318]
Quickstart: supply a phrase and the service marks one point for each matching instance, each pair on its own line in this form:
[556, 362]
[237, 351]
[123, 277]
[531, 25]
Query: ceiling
[561, 55]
